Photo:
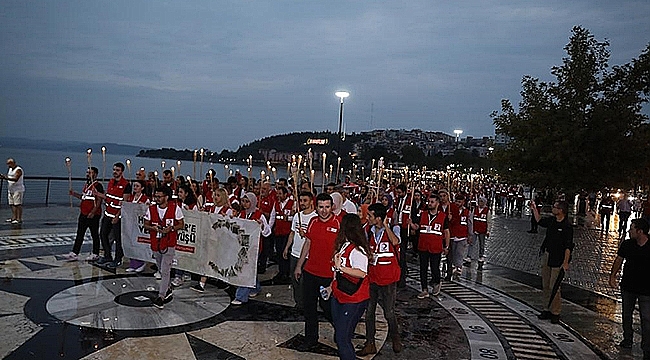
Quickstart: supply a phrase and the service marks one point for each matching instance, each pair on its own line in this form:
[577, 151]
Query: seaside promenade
[57, 309]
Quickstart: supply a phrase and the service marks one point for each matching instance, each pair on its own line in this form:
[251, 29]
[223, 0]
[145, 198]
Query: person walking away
[624, 209]
[556, 254]
[90, 211]
[16, 191]
[163, 221]
[606, 209]
[384, 273]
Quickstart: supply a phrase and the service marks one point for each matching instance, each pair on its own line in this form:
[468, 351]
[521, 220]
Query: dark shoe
[114, 264]
[627, 344]
[368, 349]
[198, 288]
[158, 302]
[169, 294]
[555, 319]
[545, 315]
[532, 231]
[397, 344]
[306, 347]
[104, 260]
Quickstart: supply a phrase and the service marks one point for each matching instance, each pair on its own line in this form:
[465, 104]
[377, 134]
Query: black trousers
[109, 230]
[283, 265]
[403, 246]
[84, 224]
[267, 250]
[311, 300]
[427, 260]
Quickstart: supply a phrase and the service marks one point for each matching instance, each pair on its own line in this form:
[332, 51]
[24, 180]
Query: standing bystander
[556, 253]
[16, 190]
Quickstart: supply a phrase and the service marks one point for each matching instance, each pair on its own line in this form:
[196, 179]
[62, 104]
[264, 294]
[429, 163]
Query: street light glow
[342, 94]
[458, 131]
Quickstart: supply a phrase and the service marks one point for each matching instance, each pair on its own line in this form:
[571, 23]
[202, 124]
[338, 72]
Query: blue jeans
[629, 299]
[242, 293]
[345, 318]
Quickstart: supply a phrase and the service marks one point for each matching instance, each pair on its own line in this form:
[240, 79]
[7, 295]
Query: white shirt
[15, 186]
[298, 240]
[357, 260]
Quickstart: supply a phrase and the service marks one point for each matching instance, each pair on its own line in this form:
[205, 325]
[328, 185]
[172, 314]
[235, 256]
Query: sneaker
[114, 264]
[424, 294]
[92, 257]
[104, 260]
[198, 288]
[544, 315]
[169, 294]
[187, 277]
[141, 268]
[236, 302]
[71, 257]
[157, 275]
[627, 344]
[253, 294]
[481, 259]
[158, 302]
[16, 222]
[178, 281]
[436, 290]
[130, 270]
[9, 220]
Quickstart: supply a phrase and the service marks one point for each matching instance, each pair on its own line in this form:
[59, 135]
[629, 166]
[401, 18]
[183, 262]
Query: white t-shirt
[178, 215]
[357, 260]
[298, 240]
[15, 186]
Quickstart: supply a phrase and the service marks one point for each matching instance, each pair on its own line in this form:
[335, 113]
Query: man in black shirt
[635, 284]
[556, 254]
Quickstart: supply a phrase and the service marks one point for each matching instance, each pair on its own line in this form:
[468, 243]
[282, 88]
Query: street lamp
[342, 95]
[458, 132]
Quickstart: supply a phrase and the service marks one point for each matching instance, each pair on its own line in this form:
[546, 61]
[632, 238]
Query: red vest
[209, 201]
[404, 211]
[283, 218]
[432, 232]
[162, 242]
[364, 291]
[390, 213]
[321, 235]
[386, 270]
[222, 210]
[142, 200]
[480, 220]
[458, 225]
[114, 197]
[88, 200]
[266, 204]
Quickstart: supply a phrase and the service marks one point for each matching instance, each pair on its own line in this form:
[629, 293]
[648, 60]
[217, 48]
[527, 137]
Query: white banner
[209, 244]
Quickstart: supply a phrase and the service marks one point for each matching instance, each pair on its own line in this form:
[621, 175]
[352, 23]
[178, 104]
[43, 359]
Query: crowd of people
[346, 247]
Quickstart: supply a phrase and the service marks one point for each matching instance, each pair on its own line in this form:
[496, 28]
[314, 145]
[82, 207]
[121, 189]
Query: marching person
[90, 211]
[460, 226]
[138, 197]
[350, 288]
[111, 223]
[434, 241]
[319, 241]
[480, 225]
[556, 254]
[281, 231]
[384, 273]
[163, 221]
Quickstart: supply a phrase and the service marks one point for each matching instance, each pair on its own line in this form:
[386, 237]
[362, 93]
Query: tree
[586, 129]
[412, 155]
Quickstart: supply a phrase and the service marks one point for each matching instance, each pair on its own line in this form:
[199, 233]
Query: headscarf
[253, 199]
[390, 200]
[337, 202]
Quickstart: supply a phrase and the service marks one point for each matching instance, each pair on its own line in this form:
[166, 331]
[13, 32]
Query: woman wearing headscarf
[251, 212]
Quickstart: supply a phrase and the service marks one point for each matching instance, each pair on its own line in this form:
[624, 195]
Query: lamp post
[342, 95]
[458, 132]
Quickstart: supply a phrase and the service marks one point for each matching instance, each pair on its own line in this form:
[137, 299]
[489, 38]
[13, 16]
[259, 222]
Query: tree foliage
[587, 129]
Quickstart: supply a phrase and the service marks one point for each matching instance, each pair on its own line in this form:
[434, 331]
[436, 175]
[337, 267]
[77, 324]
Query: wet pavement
[70, 310]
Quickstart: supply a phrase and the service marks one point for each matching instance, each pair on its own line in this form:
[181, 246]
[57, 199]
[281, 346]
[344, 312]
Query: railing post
[47, 193]
[1, 183]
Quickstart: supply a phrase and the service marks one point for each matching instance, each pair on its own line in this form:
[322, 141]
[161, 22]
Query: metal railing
[45, 190]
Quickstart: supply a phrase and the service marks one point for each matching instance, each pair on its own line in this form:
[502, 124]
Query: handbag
[346, 286]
